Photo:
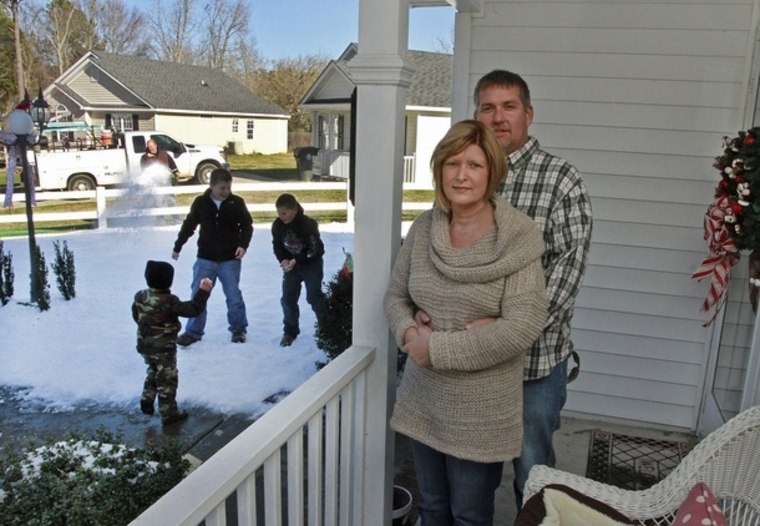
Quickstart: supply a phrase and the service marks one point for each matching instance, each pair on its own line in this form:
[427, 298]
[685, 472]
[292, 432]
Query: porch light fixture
[21, 123]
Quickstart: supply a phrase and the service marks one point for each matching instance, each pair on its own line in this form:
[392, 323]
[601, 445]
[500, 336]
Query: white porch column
[382, 80]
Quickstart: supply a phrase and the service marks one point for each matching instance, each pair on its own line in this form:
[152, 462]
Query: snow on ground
[82, 352]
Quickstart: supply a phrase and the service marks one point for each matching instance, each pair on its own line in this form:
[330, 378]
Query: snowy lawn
[82, 352]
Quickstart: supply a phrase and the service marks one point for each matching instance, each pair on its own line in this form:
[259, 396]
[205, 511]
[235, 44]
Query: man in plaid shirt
[550, 190]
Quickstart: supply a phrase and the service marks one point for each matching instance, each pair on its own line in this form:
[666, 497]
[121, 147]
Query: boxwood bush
[86, 481]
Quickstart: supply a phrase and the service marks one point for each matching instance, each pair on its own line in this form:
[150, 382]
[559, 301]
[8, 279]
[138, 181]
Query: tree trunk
[17, 42]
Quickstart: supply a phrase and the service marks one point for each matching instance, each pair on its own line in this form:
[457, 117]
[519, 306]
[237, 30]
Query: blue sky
[304, 27]
[288, 28]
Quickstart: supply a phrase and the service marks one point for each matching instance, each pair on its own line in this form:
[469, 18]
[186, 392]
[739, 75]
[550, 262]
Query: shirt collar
[519, 158]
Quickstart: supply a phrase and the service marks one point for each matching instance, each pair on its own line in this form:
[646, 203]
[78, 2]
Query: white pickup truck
[114, 164]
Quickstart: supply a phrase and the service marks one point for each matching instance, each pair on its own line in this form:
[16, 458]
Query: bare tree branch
[286, 83]
[116, 28]
[171, 29]
[227, 24]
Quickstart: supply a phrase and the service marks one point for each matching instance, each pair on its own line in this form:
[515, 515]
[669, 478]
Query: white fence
[323, 482]
[136, 202]
[337, 164]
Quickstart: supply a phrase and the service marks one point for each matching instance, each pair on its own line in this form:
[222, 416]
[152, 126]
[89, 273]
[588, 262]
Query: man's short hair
[504, 78]
[220, 175]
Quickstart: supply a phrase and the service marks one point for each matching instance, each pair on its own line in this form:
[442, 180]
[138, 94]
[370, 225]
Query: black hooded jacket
[298, 239]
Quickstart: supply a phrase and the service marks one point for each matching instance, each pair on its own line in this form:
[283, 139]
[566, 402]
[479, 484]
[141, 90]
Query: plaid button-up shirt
[550, 190]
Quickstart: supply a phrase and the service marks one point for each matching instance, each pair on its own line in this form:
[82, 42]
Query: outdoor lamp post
[21, 124]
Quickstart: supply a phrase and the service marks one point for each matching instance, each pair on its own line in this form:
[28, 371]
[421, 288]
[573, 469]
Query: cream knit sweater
[469, 403]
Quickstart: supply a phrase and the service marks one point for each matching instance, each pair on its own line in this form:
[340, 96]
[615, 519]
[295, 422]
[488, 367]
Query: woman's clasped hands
[416, 344]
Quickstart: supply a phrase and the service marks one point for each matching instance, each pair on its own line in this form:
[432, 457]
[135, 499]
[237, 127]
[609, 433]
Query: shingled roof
[168, 85]
[431, 80]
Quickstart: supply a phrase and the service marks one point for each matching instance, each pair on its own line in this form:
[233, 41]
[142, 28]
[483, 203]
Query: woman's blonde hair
[461, 135]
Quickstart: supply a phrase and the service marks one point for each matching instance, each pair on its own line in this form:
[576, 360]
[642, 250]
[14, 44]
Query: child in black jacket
[299, 249]
[225, 233]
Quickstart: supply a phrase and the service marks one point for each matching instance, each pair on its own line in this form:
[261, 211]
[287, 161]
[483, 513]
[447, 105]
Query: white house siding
[335, 87]
[100, 89]
[269, 135]
[429, 130]
[637, 95]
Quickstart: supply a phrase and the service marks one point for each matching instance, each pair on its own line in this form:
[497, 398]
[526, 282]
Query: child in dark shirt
[156, 311]
[225, 232]
[299, 249]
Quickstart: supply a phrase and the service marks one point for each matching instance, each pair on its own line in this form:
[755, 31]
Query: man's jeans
[543, 400]
[455, 491]
[311, 275]
[228, 273]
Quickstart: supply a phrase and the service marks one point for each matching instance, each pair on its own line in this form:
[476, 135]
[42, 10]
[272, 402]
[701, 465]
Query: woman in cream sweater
[471, 257]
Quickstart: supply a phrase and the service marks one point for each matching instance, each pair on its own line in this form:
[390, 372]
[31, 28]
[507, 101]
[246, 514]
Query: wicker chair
[727, 460]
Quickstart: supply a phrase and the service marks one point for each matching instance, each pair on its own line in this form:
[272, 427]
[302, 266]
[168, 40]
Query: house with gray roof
[194, 104]
[427, 114]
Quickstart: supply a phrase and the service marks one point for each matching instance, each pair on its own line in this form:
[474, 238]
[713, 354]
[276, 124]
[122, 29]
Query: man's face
[152, 147]
[502, 110]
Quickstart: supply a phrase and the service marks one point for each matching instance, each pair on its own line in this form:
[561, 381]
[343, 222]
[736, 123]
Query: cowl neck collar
[501, 251]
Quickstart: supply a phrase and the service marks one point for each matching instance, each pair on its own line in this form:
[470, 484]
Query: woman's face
[465, 177]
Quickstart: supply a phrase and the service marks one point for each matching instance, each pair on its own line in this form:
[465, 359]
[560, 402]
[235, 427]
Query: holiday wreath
[732, 221]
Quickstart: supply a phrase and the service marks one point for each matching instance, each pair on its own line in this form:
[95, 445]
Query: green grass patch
[258, 161]
[277, 167]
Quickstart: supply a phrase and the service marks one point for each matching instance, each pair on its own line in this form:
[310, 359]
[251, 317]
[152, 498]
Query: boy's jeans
[311, 276]
[228, 273]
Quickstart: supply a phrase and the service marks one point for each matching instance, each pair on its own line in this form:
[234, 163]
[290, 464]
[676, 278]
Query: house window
[122, 122]
[62, 114]
[340, 126]
[322, 130]
[249, 130]
[235, 124]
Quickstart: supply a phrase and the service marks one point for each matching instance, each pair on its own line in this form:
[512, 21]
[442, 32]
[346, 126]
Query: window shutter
[108, 120]
[135, 122]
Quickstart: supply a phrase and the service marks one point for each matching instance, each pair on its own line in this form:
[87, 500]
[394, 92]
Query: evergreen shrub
[41, 278]
[63, 268]
[333, 331]
[6, 276]
[86, 481]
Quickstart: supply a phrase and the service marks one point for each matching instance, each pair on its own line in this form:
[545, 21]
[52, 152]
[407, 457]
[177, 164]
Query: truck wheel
[80, 182]
[203, 173]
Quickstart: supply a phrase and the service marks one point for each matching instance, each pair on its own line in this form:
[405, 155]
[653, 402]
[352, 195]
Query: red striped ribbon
[723, 253]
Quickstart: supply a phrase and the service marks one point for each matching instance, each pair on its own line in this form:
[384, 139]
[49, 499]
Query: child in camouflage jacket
[156, 311]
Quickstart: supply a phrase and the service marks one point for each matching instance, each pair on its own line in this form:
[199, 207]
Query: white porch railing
[410, 162]
[135, 205]
[332, 163]
[315, 436]
[336, 164]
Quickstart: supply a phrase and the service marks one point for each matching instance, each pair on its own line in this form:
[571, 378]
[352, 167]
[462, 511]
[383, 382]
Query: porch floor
[572, 447]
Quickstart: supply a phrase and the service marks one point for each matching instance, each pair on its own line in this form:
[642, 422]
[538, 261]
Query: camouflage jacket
[157, 315]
